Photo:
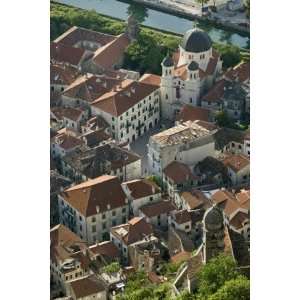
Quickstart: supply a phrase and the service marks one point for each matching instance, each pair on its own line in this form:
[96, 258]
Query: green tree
[223, 120]
[139, 11]
[238, 288]
[112, 268]
[247, 6]
[215, 273]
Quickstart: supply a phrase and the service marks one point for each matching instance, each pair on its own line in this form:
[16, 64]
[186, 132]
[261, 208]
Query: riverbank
[146, 54]
[173, 9]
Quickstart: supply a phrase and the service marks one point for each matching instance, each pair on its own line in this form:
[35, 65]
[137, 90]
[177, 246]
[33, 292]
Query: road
[140, 147]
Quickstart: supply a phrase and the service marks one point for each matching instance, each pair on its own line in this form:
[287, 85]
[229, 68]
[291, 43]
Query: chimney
[108, 206]
[97, 209]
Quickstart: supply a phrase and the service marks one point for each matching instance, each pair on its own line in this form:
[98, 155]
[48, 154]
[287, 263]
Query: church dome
[196, 40]
[213, 219]
[168, 61]
[193, 66]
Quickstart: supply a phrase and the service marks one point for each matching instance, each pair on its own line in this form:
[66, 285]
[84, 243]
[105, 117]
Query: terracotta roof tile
[182, 216]
[66, 141]
[216, 92]
[195, 199]
[151, 79]
[112, 52]
[135, 230]
[64, 53]
[77, 34]
[87, 286]
[192, 113]
[140, 188]
[106, 249]
[179, 172]
[62, 74]
[101, 194]
[157, 208]
[241, 72]
[236, 162]
[129, 94]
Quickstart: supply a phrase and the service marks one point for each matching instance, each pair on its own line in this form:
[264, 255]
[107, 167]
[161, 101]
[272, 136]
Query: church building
[189, 73]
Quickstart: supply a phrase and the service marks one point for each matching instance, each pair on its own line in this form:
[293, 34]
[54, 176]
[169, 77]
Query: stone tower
[133, 28]
[213, 238]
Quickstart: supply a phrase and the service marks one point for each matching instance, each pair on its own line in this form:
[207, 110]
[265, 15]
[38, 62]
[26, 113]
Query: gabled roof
[90, 87]
[179, 172]
[135, 230]
[216, 92]
[236, 162]
[240, 72]
[67, 54]
[76, 34]
[182, 217]
[151, 79]
[140, 188]
[228, 202]
[192, 113]
[69, 112]
[87, 286]
[66, 141]
[105, 249]
[64, 243]
[62, 74]
[95, 196]
[157, 208]
[126, 96]
[112, 52]
[195, 199]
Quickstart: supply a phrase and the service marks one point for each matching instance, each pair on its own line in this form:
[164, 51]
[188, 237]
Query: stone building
[189, 73]
[186, 143]
[91, 208]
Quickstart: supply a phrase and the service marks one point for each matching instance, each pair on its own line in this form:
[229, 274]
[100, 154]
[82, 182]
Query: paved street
[140, 145]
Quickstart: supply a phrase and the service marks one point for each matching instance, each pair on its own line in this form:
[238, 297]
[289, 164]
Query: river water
[156, 19]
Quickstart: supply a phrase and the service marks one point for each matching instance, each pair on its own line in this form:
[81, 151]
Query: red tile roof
[135, 230]
[192, 113]
[151, 79]
[140, 188]
[182, 217]
[157, 208]
[236, 162]
[241, 72]
[62, 74]
[216, 92]
[66, 141]
[87, 286]
[179, 172]
[129, 94]
[64, 53]
[95, 196]
[112, 52]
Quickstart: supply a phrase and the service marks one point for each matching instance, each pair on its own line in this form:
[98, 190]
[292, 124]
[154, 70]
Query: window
[94, 228]
[132, 109]
[113, 213]
[245, 177]
[187, 227]
[62, 89]
[104, 225]
[52, 88]
[112, 118]
[114, 223]
[151, 198]
[191, 100]
[248, 152]
[124, 220]
[121, 134]
[232, 145]
[167, 96]
[126, 113]
[93, 219]
[121, 118]
[124, 210]
[80, 227]
[113, 127]
[80, 218]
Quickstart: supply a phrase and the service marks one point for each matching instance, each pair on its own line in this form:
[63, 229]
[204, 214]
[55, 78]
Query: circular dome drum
[196, 40]
[213, 219]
